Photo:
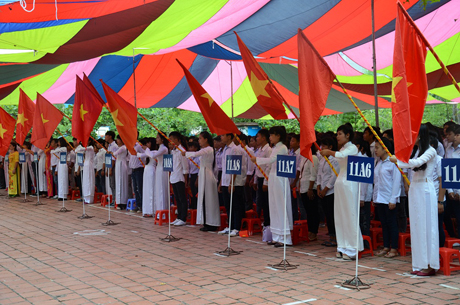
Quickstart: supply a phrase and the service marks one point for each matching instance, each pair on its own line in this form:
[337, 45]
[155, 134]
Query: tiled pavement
[48, 258]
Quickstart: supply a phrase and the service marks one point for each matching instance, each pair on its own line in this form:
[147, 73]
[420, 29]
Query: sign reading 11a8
[450, 173]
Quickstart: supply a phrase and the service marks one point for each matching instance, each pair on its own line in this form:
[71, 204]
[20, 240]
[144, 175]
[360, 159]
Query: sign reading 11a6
[450, 173]
[360, 169]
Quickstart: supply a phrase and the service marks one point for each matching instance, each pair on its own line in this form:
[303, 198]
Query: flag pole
[295, 115]
[370, 127]
[444, 68]
[374, 63]
[167, 138]
[250, 155]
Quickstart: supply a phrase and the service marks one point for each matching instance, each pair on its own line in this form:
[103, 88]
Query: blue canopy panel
[212, 50]
[16, 27]
[119, 68]
[201, 68]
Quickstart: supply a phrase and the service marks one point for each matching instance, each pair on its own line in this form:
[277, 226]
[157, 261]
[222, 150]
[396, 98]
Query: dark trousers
[328, 207]
[55, 180]
[238, 207]
[221, 199]
[226, 197]
[311, 208]
[100, 182]
[294, 205]
[442, 235]
[262, 202]
[194, 189]
[248, 195]
[137, 177]
[365, 218]
[179, 194]
[2, 178]
[389, 222]
[402, 215]
[452, 210]
[78, 180]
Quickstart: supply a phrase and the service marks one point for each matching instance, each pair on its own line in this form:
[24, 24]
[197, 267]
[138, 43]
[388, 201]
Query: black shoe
[204, 229]
[79, 200]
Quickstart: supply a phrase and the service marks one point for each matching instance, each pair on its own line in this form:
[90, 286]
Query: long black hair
[164, 140]
[423, 144]
[279, 131]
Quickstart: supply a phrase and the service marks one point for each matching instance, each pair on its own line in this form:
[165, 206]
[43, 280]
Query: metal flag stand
[84, 216]
[63, 209]
[229, 251]
[355, 282]
[25, 191]
[284, 264]
[36, 176]
[108, 165]
[169, 238]
[61, 161]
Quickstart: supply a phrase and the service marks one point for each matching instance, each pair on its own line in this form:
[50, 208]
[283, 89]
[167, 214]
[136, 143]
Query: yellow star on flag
[258, 85]
[206, 95]
[83, 112]
[21, 118]
[44, 120]
[115, 118]
[2, 131]
[395, 82]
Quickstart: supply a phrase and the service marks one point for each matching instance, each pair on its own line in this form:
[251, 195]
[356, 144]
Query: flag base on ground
[355, 283]
[170, 238]
[228, 251]
[284, 265]
[64, 210]
[38, 203]
[85, 216]
[109, 223]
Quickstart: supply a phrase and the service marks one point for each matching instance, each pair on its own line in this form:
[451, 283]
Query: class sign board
[233, 164]
[167, 163]
[35, 157]
[360, 169]
[108, 161]
[286, 166]
[63, 158]
[450, 173]
[22, 158]
[80, 161]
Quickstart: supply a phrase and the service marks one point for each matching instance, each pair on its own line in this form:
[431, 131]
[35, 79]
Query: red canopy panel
[346, 24]
[67, 9]
[156, 77]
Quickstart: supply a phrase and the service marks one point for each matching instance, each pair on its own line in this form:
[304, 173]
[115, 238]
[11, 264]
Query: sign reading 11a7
[450, 173]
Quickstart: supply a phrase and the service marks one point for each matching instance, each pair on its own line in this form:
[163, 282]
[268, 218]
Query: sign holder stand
[229, 251]
[284, 264]
[84, 215]
[63, 209]
[62, 161]
[25, 193]
[36, 189]
[109, 222]
[169, 238]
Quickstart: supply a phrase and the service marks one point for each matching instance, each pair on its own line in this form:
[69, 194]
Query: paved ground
[50, 258]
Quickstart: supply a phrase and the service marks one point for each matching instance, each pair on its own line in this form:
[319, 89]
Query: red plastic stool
[446, 257]
[98, 197]
[375, 233]
[106, 199]
[251, 214]
[367, 251]
[191, 216]
[303, 225]
[295, 235]
[254, 207]
[375, 224]
[161, 216]
[223, 221]
[402, 248]
[75, 195]
[450, 241]
[250, 223]
[222, 210]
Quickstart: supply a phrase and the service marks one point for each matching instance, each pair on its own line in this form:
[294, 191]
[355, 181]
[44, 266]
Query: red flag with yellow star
[124, 116]
[86, 111]
[6, 131]
[90, 85]
[315, 83]
[218, 122]
[46, 119]
[409, 88]
[26, 109]
[266, 94]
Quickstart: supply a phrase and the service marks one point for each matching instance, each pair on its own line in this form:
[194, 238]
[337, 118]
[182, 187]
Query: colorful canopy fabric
[119, 41]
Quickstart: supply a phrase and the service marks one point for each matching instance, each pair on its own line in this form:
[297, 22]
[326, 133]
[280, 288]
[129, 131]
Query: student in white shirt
[100, 159]
[179, 177]
[121, 175]
[325, 181]
[440, 192]
[193, 174]
[294, 150]
[365, 195]
[62, 173]
[453, 202]
[219, 149]
[110, 173]
[387, 188]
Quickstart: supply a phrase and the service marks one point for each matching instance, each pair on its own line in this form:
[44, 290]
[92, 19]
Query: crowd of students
[200, 181]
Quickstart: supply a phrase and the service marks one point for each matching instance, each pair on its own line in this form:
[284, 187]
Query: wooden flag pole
[167, 138]
[64, 138]
[250, 155]
[444, 68]
[371, 128]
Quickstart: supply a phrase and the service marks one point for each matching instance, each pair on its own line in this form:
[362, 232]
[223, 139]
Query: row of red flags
[315, 82]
